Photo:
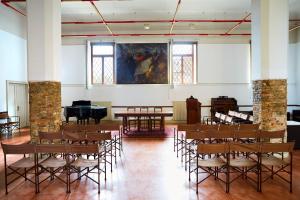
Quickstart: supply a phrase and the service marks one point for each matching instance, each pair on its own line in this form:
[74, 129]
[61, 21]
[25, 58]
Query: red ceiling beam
[238, 24]
[157, 21]
[173, 20]
[153, 34]
[11, 7]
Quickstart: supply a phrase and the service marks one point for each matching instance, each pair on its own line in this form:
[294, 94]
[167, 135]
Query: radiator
[106, 104]
[179, 110]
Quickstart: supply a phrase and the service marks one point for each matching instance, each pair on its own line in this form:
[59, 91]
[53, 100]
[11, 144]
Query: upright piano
[84, 110]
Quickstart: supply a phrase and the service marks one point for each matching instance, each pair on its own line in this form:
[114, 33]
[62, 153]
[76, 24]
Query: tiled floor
[149, 170]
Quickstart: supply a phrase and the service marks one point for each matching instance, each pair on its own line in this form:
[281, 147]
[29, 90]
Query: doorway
[17, 101]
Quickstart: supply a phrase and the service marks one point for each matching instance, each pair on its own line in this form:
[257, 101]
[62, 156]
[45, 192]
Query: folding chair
[52, 164]
[82, 165]
[245, 164]
[214, 164]
[104, 140]
[270, 163]
[22, 167]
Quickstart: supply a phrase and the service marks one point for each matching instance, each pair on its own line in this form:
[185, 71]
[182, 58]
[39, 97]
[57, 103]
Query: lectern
[193, 110]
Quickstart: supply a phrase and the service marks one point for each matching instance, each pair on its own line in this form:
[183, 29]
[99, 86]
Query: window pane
[177, 78]
[187, 69]
[103, 50]
[176, 63]
[97, 70]
[108, 70]
[179, 49]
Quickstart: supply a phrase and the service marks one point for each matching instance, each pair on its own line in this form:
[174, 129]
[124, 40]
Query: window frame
[194, 56]
[92, 56]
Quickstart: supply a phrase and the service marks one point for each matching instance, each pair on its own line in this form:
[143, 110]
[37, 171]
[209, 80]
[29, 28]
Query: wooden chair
[83, 165]
[274, 165]
[209, 159]
[246, 136]
[52, 164]
[7, 125]
[22, 167]
[104, 140]
[157, 120]
[245, 164]
[145, 120]
[132, 120]
[116, 137]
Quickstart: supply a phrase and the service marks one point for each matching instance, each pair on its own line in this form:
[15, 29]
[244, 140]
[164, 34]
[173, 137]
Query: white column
[43, 40]
[269, 29]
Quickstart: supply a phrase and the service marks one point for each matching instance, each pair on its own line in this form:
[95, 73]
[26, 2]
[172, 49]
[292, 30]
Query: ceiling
[119, 10]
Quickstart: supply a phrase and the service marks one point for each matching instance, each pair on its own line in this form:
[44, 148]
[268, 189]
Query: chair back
[157, 109]
[243, 147]
[196, 135]
[92, 136]
[82, 149]
[248, 127]
[242, 134]
[267, 135]
[212, 148]
[4, 115]
[109, 127]
[144, 109]
[51, 148]
[226, 134]
[277, 147]
[226, 127]
[72, 128]
[75, 136]
[50, 136]
[92, 128]
[18, 148]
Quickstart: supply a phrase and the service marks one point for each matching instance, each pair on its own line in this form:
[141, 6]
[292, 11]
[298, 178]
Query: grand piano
[83, 111]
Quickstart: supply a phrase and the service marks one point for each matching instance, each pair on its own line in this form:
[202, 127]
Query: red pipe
[9, 6]
[157, 21]
[153, 34]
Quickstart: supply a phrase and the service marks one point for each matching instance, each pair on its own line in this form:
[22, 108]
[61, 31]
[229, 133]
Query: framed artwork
[142, 63]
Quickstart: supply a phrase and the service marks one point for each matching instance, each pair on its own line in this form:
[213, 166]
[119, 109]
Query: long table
[139, 115]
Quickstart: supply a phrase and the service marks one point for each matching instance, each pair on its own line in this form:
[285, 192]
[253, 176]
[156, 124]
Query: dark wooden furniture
[193, 110]
[296, 115]
[293, 133]
[83, 110]
[139, 115]
[223, 104]
[8, 123]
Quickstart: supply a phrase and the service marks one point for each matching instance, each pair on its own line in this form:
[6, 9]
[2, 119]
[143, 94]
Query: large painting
[142, 63]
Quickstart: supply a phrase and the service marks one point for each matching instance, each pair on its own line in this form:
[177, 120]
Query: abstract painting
[142, 63]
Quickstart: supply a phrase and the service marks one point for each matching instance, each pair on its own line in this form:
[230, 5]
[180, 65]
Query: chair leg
[197, 170]
[5, 171]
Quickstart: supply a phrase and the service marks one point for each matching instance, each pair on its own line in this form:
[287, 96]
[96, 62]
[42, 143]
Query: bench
[8, 123]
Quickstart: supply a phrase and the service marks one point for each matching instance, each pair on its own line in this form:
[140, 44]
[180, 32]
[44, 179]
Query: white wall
[13, 64]
[297, 71]
[223, 69]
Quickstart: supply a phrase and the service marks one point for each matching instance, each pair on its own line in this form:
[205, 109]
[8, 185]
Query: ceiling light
[146, 26]
[192, 26]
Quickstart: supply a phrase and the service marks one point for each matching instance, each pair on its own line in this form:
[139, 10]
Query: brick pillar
[44, 107]
[270, 103]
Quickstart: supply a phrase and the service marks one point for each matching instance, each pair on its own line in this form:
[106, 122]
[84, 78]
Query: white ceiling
[159, 10]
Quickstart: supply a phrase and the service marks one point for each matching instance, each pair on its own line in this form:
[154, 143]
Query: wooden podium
[193, 110]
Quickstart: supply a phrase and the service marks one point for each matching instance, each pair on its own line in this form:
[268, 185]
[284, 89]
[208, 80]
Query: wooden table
[139, 115]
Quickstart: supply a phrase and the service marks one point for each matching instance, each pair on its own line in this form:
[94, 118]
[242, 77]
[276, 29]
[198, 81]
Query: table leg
[162, 126]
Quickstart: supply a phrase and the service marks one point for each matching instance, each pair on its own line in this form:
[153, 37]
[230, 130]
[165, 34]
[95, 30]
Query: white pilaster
[269, 29]
[44, 39]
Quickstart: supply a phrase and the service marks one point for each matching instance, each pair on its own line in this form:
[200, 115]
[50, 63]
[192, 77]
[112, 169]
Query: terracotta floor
[149, 170]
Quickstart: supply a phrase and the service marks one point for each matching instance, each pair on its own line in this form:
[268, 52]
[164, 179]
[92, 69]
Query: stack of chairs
[230, 152]
[75, 149]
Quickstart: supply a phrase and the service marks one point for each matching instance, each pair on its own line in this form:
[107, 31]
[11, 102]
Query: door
[17, 101]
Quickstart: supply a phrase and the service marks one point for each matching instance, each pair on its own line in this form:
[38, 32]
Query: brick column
[270, 103]
[45, 107]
